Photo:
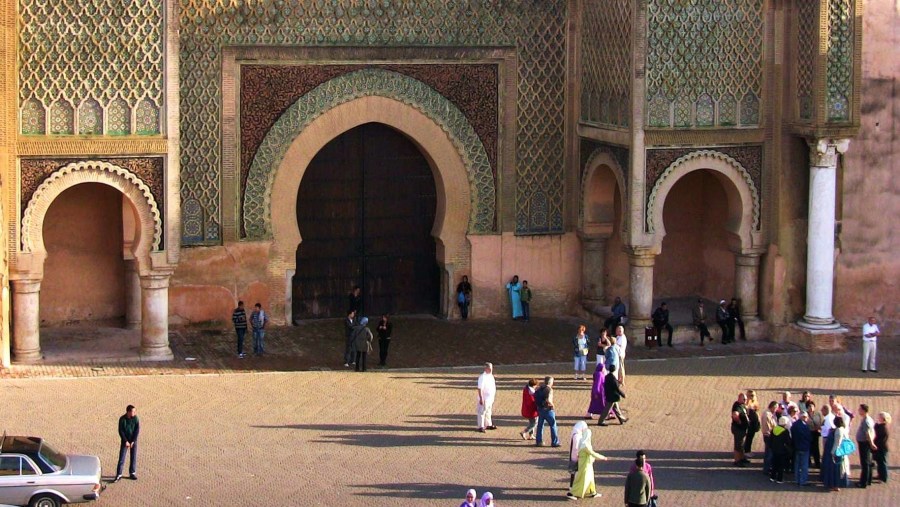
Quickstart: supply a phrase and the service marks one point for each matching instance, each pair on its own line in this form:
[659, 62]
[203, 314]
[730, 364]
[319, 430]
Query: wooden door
[365, 208]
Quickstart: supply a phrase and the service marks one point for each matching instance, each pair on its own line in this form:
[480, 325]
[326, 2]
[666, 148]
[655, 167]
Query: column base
[817, 340]
[156, 353]
[634, 330]
[27, 357]
[818, 324]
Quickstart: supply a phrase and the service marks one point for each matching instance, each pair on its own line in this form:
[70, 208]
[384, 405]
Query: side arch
[597, 159]
[149, 228]
[743, 196]
[257, 212]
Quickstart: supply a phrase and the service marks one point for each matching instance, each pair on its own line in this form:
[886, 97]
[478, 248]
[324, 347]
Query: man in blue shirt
[618, 316]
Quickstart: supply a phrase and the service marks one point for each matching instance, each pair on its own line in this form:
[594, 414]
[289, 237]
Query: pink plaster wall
[84, 274]
[210, 280]
[868, 265]
[695, 259]
[551, 264]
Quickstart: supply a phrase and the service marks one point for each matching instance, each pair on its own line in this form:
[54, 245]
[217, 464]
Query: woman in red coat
[529, 409]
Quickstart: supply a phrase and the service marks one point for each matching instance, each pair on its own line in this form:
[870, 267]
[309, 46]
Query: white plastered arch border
[597, 158]
[149, 231]
[743, 196]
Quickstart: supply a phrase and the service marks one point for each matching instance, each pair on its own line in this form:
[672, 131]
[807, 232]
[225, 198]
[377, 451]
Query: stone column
[823, 158]
[641, 303]
[132, 295]
[26, 320]
[593, 260]
[746, 284]
[155, 318]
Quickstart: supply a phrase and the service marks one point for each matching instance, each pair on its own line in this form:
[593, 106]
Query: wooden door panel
[366, 208]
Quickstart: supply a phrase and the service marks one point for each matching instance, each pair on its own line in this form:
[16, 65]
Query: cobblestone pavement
[76, 351]
[407, 437]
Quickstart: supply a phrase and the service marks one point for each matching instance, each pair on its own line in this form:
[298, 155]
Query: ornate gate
[365, 209]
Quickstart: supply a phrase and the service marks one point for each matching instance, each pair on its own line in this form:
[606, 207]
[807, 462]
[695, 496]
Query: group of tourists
[538, 409]
[791, 433]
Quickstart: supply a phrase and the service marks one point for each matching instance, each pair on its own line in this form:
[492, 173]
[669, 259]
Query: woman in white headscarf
[487, 500]
[471, 499]
[580, 426]
[584, 486]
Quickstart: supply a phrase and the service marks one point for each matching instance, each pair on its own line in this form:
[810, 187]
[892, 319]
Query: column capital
[824, 152]
[751, 259]
[155, 281]
[25, 285]
[640, 255]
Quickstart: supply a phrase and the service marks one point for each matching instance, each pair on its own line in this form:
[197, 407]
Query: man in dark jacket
[613, 392]
[723, 318]
[637, 487]
[239, 319]
[129, 428]
[618, 316]
[801, 437]
[782, 448]
[734, 309]
[699, 318]
[661, 321]
[349, 351]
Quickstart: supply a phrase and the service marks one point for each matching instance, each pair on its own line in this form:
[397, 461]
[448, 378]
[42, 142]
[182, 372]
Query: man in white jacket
[870, 334]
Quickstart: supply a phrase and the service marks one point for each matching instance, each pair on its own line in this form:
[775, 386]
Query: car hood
[84, 465]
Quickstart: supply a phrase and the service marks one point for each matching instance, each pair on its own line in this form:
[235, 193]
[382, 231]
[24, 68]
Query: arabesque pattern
[77, 52]
[839, 75]
[537, 29]
[606, 61]
[712, 47]
[342, 89]
[807, 23]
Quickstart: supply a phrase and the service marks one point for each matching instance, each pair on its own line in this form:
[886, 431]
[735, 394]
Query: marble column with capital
[823, 160]
[641, 296]
[155, 318]
[26, 320]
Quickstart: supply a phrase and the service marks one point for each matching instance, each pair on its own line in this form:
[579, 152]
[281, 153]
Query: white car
[33, 474]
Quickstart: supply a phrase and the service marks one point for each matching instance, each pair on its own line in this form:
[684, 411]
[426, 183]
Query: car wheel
[44, 501]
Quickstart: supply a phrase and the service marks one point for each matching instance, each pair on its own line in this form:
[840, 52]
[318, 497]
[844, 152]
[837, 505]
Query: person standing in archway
[362, 339]
[385, 328]
[515, 299]
[734, 309]
[699, 318]
[464, 297]
[723, 318]
[355, 301]
[661, 321]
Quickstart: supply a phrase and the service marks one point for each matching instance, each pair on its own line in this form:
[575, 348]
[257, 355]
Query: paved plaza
[399, 437]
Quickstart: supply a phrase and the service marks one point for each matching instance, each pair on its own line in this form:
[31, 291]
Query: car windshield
[53, 458]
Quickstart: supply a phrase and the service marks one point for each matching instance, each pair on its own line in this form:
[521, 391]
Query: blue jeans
[241, 333]
[801, 467]
[258, 335]
[550, 416]
[767, 457]
[122, 452]
[580, 363]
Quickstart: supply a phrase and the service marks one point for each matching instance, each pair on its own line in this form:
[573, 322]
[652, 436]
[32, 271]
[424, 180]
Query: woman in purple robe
[598, 398]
